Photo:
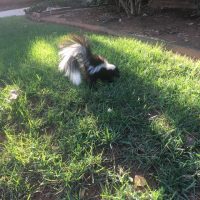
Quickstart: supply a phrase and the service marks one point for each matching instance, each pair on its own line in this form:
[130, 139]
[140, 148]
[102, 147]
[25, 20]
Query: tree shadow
[149, 125]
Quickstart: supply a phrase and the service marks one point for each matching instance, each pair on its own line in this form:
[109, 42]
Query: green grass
[60, 142]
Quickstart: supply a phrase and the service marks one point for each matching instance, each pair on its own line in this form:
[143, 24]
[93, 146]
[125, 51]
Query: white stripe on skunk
[78, 62]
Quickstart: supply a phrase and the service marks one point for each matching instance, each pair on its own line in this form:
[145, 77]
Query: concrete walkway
[15, 12]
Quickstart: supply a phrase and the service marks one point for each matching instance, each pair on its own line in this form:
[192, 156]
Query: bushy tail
[82, 41]
[74, 57]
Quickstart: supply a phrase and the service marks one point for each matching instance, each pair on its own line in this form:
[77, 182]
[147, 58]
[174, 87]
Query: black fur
[92, 67]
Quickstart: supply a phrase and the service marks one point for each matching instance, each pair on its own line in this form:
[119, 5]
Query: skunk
[78, 63]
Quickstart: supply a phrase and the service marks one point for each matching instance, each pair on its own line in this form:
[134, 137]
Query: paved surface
[15, 12]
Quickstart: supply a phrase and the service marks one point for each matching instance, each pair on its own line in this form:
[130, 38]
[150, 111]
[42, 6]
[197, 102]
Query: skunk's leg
[92, 82]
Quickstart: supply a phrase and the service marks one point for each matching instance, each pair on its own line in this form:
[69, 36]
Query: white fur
[68, 54]
[93, 70]
[106, 65]
[110, 66]
[78, 52]
[75, 78]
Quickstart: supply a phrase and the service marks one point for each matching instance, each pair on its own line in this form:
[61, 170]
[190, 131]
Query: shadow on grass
[136, 125]
[151, 126]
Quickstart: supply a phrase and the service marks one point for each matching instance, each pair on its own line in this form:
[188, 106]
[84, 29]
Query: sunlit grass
[43, 53]
[58, 141]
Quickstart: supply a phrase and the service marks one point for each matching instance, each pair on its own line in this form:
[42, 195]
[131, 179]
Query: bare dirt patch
[172, 26]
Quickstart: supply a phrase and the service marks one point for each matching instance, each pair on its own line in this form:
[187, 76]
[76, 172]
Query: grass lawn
[58, 141]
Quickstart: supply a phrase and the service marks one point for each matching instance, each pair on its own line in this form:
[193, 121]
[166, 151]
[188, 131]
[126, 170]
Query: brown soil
[170, 26]
[173, 27]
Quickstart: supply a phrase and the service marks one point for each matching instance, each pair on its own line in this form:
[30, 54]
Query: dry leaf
[190, 141]
[121, 171]
[139, 181]
[130, 179]
[13, 95]
[2, 137]
[82, 193]
[110, 110]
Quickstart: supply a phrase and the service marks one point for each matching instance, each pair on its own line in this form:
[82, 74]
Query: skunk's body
[78, 63]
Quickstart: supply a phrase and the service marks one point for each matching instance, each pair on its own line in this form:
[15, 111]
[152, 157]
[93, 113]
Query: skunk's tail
[75, 59]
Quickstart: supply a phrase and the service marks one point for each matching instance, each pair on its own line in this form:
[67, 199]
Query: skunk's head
[101, 69]
[112, 69]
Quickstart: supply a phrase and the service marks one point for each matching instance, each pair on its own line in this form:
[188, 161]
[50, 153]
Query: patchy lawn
[137, 138]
